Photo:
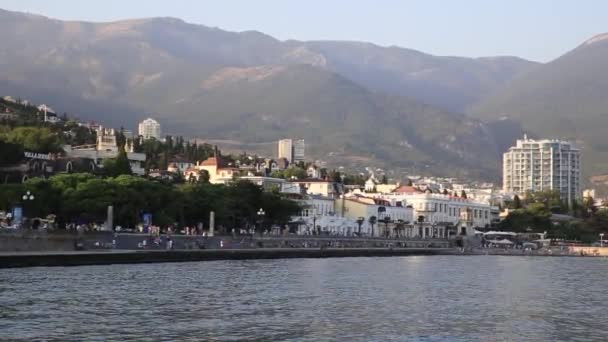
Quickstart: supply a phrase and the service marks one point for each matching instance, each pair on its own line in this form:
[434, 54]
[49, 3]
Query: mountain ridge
[564, 98]
[377, 104]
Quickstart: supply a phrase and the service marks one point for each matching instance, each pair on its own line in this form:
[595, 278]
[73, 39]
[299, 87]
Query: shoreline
[53, 259]
[112, 257]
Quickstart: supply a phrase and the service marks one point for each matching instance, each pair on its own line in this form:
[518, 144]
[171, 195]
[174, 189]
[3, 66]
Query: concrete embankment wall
[8, 260]
[27, 240]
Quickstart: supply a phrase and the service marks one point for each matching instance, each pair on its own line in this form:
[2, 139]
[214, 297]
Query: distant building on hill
[46, 109]
[293, 151]
[107, 148]
[539, 165]
[149, 128]
[286, 149]
[299, 149]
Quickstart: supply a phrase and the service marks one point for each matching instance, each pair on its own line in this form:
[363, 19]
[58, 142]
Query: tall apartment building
[149, 128]
[299, 151]
[286, 149]
[537, 165]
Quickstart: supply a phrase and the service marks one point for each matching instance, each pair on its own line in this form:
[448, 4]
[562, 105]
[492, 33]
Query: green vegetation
[10, 153]
[117, 166]
[37, 139]
[535, 214]
[84, 198]
[27, 131]
[292, 172]
[159, 153]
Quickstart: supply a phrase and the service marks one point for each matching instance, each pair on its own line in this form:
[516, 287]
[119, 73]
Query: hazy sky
[535, 29]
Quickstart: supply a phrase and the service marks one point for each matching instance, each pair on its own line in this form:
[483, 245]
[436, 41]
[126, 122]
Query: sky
[539, 30]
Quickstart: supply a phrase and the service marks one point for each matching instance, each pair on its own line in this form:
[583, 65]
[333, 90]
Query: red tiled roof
[406, 189]
[210, 162]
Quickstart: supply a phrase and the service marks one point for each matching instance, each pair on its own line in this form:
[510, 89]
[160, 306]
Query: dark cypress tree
[516, 202]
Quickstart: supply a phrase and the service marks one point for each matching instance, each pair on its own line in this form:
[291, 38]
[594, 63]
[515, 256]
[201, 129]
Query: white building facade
[149, 128]
[286, 149]
[438, 211]
[107, 148]
[538, 165]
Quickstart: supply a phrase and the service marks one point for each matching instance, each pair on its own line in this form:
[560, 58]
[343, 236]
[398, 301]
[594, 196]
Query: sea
[414, 298]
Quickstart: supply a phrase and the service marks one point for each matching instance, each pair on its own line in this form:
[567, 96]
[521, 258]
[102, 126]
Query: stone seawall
[10, 260]
[28, 240]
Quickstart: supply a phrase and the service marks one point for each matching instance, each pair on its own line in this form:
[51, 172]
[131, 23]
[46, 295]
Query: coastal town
[303, 171]
[326, 203]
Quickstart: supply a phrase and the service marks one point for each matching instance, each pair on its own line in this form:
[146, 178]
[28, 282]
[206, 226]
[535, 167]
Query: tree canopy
[84, 198]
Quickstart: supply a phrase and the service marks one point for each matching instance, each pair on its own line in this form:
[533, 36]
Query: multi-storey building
[538, 165]
[292, 151]
[299, 150]
[149, 128]
[286, 149]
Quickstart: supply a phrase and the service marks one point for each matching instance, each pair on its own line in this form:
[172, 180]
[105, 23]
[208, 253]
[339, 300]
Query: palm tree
[386, 221]
[360, 221]
[372, 221]
[400, 227]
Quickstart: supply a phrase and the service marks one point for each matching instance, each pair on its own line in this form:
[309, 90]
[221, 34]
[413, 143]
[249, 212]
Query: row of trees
[84, 198]
[534, 213]
[160, 153]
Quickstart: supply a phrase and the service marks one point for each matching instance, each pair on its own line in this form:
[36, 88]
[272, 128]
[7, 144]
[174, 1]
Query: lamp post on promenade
[261, 213]
[601, 239]
[28, 196]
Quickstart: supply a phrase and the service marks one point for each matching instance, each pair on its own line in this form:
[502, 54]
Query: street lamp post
[342, 177]
[28, 196]
[601, 239]
[261, 213]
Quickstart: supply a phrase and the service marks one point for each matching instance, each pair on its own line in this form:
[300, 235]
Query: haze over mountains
[353, 102]
[564, 98]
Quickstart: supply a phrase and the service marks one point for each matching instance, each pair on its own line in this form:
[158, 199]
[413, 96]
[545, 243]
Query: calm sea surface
[430, 298]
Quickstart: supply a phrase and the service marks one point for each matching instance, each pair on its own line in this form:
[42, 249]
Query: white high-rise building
[286, 149]
[299, 151]
[538, 165]
[149, 128]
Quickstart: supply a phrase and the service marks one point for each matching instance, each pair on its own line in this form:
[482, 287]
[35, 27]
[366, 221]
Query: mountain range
[354, 103]
[564, 98]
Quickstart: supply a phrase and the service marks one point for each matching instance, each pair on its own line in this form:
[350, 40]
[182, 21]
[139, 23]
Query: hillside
[450, 83]
[250, 87]
[565, 98]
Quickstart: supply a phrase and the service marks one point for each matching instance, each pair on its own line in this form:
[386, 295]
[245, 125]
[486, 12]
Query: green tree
[516, 202]
[10, 153]
[34, 139]
[463, 194]
[372, 221]
[360, 221]
[117, 166]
